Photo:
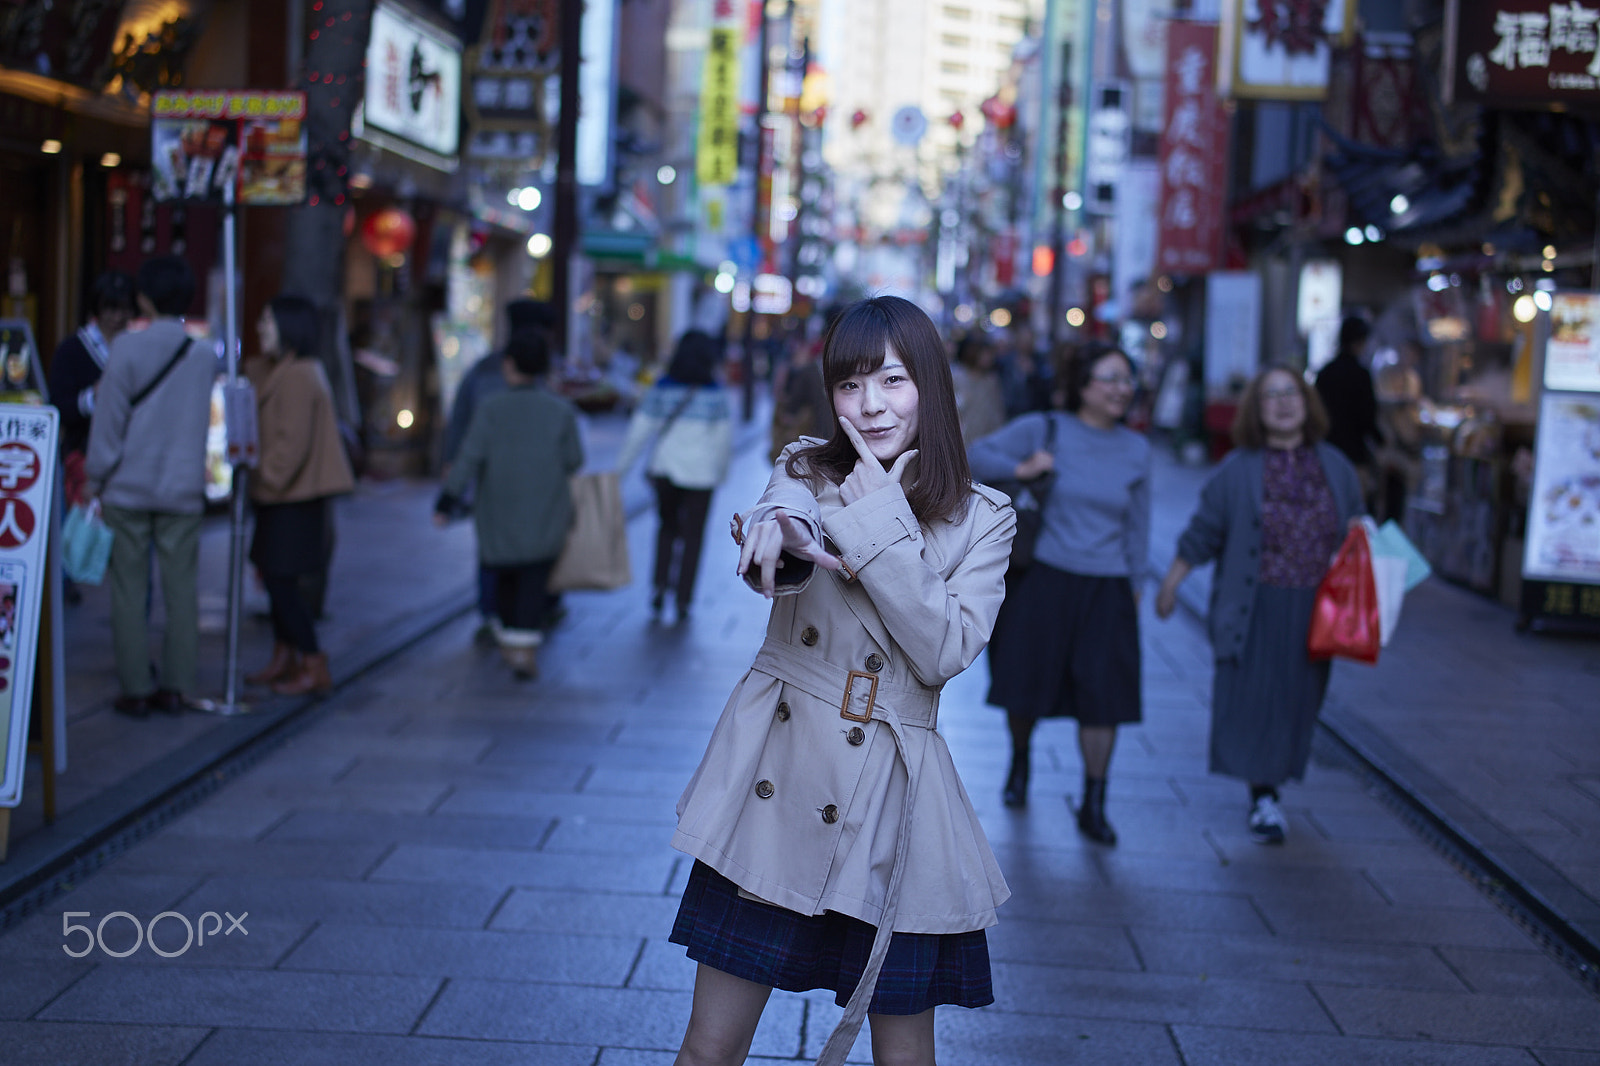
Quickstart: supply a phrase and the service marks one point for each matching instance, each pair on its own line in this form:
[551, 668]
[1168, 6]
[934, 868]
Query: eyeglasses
[1290, 393]
[1112, 379]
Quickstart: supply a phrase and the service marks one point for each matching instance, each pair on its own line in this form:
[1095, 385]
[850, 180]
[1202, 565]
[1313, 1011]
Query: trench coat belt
[904, 705]
[803, 668]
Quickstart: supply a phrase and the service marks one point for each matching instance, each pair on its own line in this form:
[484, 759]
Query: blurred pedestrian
[519, 452]
[1025, 374]
[1272, 516]
[686, 422]
[800, 406]
[1067, 641]
[76, 367]
[487, 378]
[302, 467]
[980, 403]
[835, 846]
[1345, 388]
[147, 465]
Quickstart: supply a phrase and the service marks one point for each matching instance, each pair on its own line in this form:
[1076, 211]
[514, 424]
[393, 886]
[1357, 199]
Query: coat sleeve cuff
[868, 526]
[795, 573]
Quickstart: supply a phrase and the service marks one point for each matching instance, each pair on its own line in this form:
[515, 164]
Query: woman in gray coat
[1272, 517]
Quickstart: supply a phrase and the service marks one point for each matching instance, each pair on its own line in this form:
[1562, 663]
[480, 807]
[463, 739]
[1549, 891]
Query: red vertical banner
[1194, 153]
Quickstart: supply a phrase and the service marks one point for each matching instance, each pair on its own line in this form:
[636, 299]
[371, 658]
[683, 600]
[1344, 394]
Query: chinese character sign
[717, 153]
[27, 479]
[1527, 52]
[1194, 149]
[1282, 49]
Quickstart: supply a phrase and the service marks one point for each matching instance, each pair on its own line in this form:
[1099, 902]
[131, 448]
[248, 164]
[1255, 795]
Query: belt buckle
[872, 696]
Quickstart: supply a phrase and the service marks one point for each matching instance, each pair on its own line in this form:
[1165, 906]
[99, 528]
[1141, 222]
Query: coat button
[808, 636]
[764, 789]
[830, 814]
[783, 712]
[874, 663]
[856, 736]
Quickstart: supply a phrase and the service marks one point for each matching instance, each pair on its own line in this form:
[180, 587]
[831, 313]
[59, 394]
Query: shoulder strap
[177, 357]
[682, 406]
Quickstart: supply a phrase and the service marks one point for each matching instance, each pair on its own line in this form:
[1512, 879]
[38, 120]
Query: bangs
[856, 343]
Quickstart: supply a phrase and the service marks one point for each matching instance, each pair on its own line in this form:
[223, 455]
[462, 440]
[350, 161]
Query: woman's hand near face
[869, 475]
[769, 538]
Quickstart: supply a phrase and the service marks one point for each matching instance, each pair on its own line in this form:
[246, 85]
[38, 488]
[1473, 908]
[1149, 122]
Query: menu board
[1572, 357]
[27, 479]
[205, 141]
[1563, 541]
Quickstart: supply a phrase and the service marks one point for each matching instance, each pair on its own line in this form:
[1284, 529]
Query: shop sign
[512, 71]
[597, 91]
[717, 151]
[1563, 539]
[1233, 330]
[1194, 149]
[1572, 356]
[413, 86]
[27, 480]
[1281, 49]
[205, 141]
[1522, 52]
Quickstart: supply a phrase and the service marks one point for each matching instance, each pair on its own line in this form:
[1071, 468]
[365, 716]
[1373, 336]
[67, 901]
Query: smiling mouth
[877, 432]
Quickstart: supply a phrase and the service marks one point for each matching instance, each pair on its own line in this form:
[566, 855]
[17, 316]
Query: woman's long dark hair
[856, 343]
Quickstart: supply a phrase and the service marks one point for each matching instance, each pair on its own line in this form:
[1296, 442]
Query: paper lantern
[388, 232]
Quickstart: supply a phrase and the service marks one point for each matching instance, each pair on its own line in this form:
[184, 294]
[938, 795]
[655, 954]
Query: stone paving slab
[250, 1047]
[459, 953]
[55, 1043]
[1206, 1046]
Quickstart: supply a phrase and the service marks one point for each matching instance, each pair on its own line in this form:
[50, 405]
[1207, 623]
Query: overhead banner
[27, 480]
[204, 141]
[413, 81]
[1522, 53]
[1277, 50]
[1194, 151]
[717, 151]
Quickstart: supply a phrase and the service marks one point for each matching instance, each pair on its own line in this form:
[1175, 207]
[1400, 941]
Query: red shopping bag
[1344, 621]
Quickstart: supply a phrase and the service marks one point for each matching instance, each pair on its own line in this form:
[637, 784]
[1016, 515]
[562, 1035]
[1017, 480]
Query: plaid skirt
[795, 952]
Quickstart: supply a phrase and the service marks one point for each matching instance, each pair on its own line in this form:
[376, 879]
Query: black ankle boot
[1015, 793]
[1092, 812]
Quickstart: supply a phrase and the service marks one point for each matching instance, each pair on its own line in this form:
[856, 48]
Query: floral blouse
[1299, 521]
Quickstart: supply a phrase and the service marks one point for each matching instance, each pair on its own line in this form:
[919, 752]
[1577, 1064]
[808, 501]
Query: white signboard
[27, 480]
[413, 81]
[597, 93]
[1563, 542]
[1572, 358]
[1233, 329]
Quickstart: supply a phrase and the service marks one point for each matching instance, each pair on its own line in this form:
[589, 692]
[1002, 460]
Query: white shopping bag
[1389, 577]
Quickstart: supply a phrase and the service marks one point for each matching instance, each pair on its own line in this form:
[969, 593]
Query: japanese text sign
[717, 152]
[27, 479]
[1194, 149]
[1281, 49]
[203, 142]
[1524, 52]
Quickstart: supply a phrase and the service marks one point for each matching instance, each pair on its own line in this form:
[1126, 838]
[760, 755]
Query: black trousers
[521, 594]
[682, 531]
[292, 621]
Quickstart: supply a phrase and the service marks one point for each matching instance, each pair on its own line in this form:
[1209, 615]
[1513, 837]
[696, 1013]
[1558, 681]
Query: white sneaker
[1267, 823]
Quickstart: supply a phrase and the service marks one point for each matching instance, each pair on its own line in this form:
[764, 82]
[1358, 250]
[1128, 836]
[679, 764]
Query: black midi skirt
[291, 538]
[1067, 645]
[795, 952]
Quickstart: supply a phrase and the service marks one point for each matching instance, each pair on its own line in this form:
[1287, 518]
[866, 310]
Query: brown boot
[312, 677]
[285, 663]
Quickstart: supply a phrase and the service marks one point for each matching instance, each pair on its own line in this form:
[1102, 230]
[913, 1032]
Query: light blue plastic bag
[1392, 541]
[85, 545]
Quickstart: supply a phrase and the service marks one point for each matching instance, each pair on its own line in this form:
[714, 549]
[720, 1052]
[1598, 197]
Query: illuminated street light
[539, 245]
[1542, 300]
[723, 283]
[529, 199]
[1523, 308]
[1158, 330]
[667, 174]
[1072, 200]
[1374, 234]
[1076, 317]
[1399, 205]
[404, 418]
[1353, 236]
[1000, 318]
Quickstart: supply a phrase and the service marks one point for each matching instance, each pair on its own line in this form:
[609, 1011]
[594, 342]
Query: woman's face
[1283, 406]
[267, 331]
[1109, 390]
[883, 406]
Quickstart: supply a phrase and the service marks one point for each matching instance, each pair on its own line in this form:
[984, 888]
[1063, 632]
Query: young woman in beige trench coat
[826, 812]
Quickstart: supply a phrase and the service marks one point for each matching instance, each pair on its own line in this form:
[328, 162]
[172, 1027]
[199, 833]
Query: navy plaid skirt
[795, 952]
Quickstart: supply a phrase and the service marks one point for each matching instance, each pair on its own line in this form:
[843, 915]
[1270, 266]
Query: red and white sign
[1194, 150]
[27, 478]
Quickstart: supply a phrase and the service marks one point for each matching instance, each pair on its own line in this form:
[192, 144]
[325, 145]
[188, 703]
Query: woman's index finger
[856, 439]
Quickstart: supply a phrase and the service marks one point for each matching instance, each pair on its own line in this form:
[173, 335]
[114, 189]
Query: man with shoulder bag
[146, 465]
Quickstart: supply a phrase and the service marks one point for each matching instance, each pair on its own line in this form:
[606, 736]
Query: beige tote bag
[595, 556]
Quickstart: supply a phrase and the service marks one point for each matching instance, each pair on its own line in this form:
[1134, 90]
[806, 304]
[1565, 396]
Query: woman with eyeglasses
[1066, 643]
[1272, 517]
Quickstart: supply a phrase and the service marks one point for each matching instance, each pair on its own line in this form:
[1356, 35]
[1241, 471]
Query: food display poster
[1572, 357]
[1563, 541]
[27, 479]
[204, 141]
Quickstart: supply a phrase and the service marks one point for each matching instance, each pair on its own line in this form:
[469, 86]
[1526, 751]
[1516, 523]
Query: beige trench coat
[802, 796]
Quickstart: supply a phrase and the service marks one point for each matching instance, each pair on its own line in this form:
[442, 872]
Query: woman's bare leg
[902, 1039]
[723, 1020]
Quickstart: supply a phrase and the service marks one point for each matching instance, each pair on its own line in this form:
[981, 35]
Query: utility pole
[1058, 230]
[747, 393]
[565, 238]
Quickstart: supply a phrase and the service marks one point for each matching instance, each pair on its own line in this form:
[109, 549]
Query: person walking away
[834, 845]
[302, 467]
[687, 416]
[518, 454]
[1271, 516]
[486, 379]
[1067, 641]
[146, 464]
[800, 406]
[1347, 394]
[980, 401]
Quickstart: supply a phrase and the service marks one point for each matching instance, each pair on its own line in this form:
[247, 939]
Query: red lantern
[858, 119]
[388, 232]
[957, 119]
[1000, 114]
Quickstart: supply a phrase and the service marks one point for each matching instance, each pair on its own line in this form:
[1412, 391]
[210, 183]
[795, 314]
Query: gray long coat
[1227, 527]
[799, 800]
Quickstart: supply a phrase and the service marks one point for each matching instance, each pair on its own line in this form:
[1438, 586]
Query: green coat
[521, 448]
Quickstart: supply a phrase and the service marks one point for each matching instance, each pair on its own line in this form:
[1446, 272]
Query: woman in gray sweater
[1067, 639]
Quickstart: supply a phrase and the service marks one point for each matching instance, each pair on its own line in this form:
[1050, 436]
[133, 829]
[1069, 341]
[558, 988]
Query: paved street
[448, 867]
